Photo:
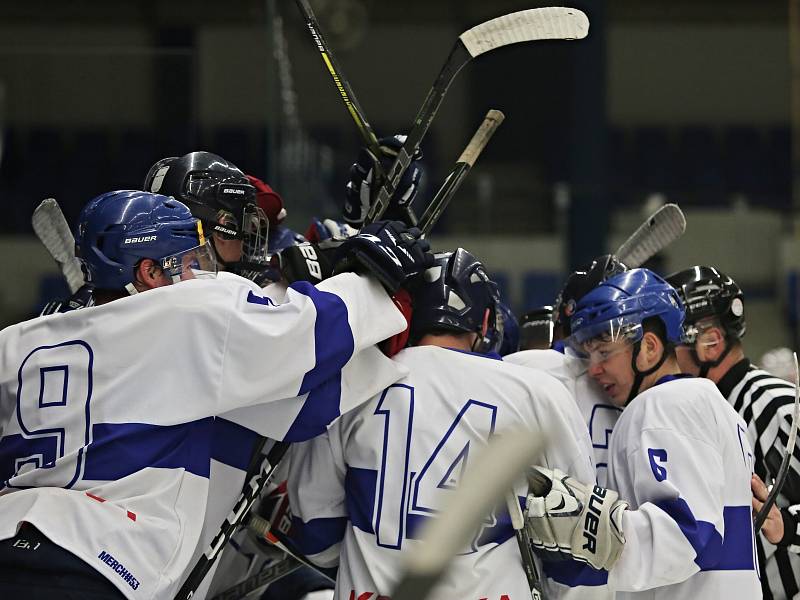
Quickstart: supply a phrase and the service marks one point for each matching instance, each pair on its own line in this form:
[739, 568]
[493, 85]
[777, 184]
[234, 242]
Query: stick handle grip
[481, 137]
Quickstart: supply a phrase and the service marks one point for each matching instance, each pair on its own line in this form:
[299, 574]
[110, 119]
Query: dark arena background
[685, 101]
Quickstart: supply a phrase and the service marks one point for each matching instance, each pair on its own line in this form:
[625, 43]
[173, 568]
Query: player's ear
[710, 344]
[651, 348]
[148, 275]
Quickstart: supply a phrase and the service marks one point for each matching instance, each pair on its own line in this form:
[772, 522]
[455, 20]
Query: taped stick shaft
[493, 119]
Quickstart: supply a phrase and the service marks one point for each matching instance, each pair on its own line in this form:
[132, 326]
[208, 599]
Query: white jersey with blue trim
[598, 413]
[118, 421]
[360, 494]
[681, 457]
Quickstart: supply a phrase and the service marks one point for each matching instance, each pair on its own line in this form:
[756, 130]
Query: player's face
[228, 250]
[610, 367]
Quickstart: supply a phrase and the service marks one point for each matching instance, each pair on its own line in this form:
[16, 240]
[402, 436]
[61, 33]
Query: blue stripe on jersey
[333, 347]
[359, 487]
[333, 339]
[734, 553]
[572, 572]
[15, 446]
[318, 534]
[233, 444]
[121, 449]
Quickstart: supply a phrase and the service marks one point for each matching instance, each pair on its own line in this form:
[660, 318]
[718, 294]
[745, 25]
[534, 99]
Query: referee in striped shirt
[713, 328]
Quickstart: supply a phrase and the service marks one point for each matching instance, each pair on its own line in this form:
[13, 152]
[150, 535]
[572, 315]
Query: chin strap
[640, 375]
[707, 365]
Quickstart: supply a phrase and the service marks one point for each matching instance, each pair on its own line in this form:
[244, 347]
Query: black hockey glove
[309, 261]
[359, 193]
[80, 299]
[389, 250]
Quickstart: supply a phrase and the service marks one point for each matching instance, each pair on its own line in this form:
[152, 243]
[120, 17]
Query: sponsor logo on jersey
[140, 239]
[119, 569]
[592, 520]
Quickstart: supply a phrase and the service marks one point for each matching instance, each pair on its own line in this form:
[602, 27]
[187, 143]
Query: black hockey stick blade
[53, 231]
[783, 471]
[491, 122]
[549, 23]
[250, 493]
[262, 579]
[482, 488]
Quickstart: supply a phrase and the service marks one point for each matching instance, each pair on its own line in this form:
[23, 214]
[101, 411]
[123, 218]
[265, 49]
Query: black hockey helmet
[220, 195]
[536, 328]
[707, 292]
[579, 283]
[453, 295]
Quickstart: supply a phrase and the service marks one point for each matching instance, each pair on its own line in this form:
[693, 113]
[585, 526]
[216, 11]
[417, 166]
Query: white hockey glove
[583, 521]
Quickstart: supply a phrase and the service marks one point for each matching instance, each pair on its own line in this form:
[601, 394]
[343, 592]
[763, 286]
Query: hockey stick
[53, 231]
[341, 82]
[260, 580]
[662, 228]
[783, 471]
[263, 528]
[250, 493]
[481, 489]
[491, 122]
[549, 23]
[525, 548]
[349, 99]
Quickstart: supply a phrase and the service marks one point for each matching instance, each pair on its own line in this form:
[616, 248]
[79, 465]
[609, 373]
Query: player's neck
[734, 356]
[457, 341]
[670, 367]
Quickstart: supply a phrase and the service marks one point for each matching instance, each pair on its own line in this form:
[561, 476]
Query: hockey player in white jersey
[713, 330]
[360, 494]
[597, 411]
[571, 369]
[678, 524]
[109, 415]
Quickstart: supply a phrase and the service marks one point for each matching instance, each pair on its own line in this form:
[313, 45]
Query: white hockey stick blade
[662, 228]
[482, 488]
[549, 23]
[53, 231]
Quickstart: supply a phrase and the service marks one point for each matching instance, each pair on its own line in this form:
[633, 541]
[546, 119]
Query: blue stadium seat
[540, 288]
[652, 159]
[745, 160]
[699, 164]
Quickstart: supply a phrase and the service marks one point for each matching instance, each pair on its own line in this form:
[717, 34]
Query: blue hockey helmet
[616, 310]
[118, 229]
[579, 283]
[618, 306]
[454, 295]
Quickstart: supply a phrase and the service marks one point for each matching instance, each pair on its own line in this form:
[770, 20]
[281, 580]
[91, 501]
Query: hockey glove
[308, 261]
[358, 192]
[80, 299]
[328, 229]
[388, 250]
[583, 521]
